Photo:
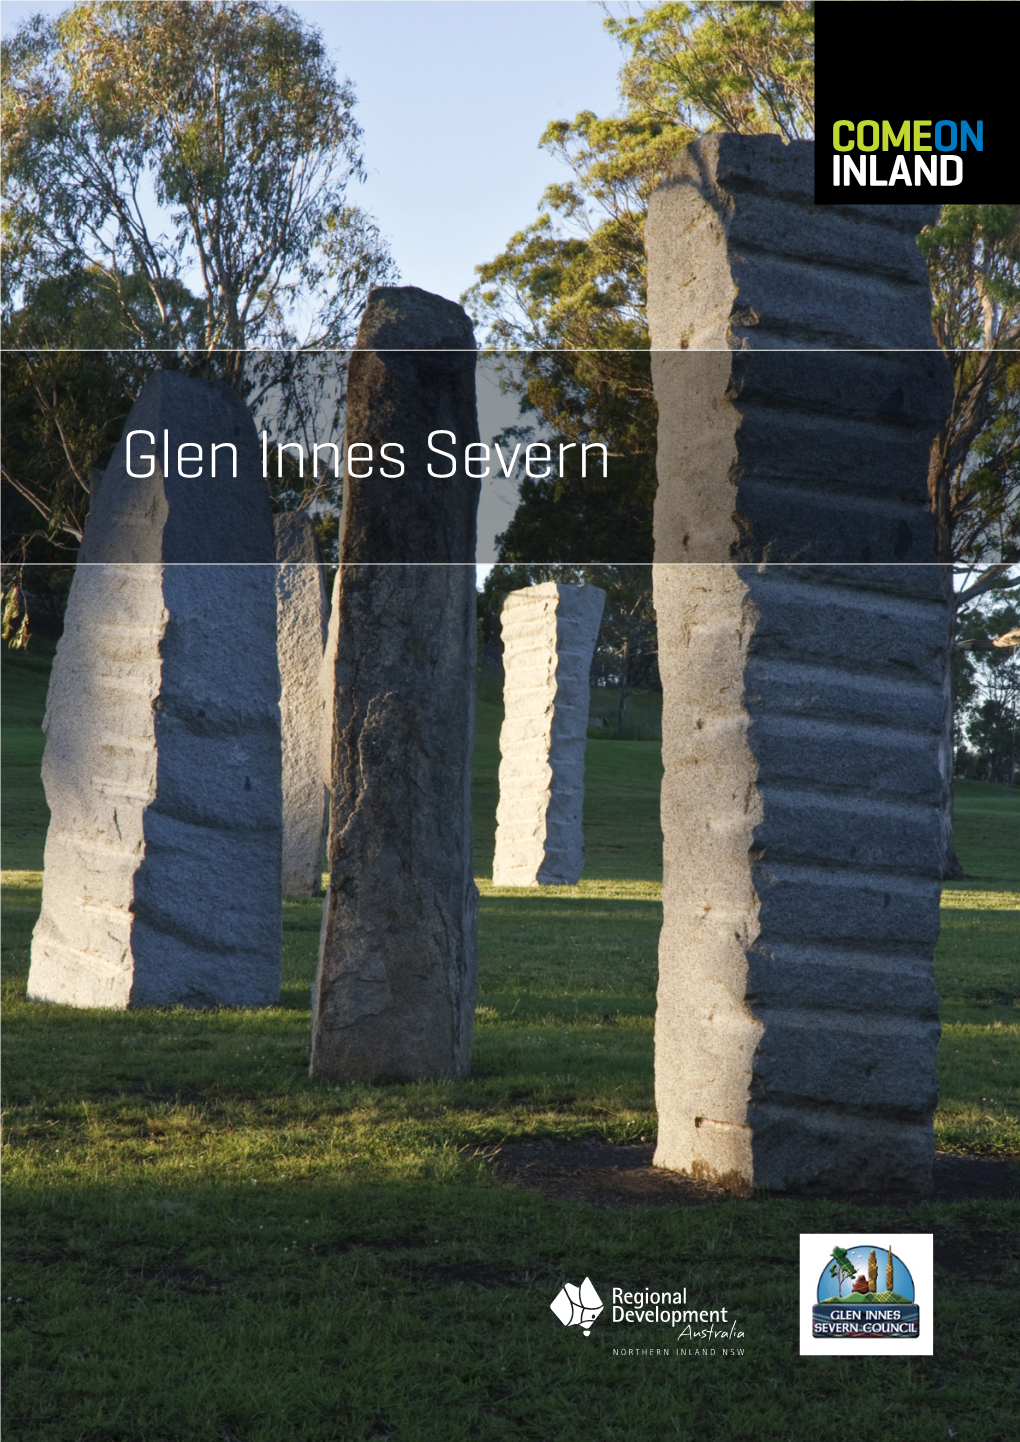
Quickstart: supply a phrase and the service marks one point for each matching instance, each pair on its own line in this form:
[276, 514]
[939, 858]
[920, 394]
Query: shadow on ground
[623, 1176]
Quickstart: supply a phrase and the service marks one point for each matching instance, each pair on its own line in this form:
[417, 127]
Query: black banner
[906, 113]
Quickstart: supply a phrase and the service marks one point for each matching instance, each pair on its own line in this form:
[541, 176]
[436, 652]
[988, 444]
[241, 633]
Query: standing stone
[393, 999]
[302, 614]
[549, 636]
[796, 372]
[802, 704]
[327, 688]
[162, 762]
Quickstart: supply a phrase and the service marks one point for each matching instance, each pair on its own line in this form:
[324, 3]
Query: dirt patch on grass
[598, 1173]
[604, 1175]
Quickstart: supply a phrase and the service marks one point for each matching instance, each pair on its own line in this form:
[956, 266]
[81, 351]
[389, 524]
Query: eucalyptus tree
[569, 289]
[189, 167]
[205, 145]
[973, 256]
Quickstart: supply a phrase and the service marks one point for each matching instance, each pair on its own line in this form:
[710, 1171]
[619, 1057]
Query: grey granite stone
[802, 856]
[802, 703]
[302, 615]
[394, 993]
[797, 376]
[549, 636]
[162, 761]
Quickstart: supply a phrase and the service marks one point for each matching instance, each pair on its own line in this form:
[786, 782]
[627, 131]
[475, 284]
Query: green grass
[25, 815]
[977, 972]
[986, 823]
[643, 716]
[202, 1244]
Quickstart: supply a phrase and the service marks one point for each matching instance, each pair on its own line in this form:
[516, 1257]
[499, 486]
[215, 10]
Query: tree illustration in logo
[847, 1262]
[577, 1306]
[841, 1268]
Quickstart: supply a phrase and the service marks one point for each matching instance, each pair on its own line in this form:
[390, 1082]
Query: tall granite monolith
[327, 689]
[162, 762]
[549, 636]
[802, 690]
[302, 616]
[394, 994]
[796, 373]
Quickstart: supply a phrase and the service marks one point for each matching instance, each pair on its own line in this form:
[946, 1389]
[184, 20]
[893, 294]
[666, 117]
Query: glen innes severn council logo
[865, 1307]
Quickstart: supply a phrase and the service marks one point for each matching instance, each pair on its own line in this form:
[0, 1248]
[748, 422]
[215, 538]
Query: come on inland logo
[577, 1306]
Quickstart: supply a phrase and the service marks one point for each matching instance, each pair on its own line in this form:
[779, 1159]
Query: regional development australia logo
[863, 1308]
[577, 1306]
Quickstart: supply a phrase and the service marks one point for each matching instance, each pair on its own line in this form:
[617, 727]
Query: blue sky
[453, 96]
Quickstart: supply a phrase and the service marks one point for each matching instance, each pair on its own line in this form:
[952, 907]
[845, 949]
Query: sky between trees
[452, 96]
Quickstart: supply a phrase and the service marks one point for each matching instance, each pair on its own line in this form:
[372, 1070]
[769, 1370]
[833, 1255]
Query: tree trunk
[621, 703]
[951, 868]
[940, 496]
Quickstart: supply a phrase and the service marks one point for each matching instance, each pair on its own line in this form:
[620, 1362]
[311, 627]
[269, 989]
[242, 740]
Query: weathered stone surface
[394, 994]
[302, 614]
[797, 375]
[327, 688]
[162, 760]
[412, 372]
[802, 704]
[549, 636]
[801, 882]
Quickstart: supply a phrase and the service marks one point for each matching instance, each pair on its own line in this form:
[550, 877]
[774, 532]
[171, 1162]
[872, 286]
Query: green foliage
[148, 147]
[68, 385]
[743, 67]
[575, 280]
[986, 681]
[747, 68]
[570, 288]
[973, 256]
[234, 116]
[843, 1267]
[24, 679]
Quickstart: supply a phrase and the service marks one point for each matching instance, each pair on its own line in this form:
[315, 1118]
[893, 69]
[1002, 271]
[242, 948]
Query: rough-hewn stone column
[802, 704]
[162, 760]
[302, 614]
[796, 373]
[394, 994]
[549, 635]
[327, 687]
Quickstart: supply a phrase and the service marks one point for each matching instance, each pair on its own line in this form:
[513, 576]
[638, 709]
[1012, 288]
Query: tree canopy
[206, 146]
[986, 684]
[569, 289]
[973, 256]
[177, 192]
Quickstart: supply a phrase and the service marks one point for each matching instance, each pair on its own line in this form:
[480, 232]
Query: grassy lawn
[203, 1245]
